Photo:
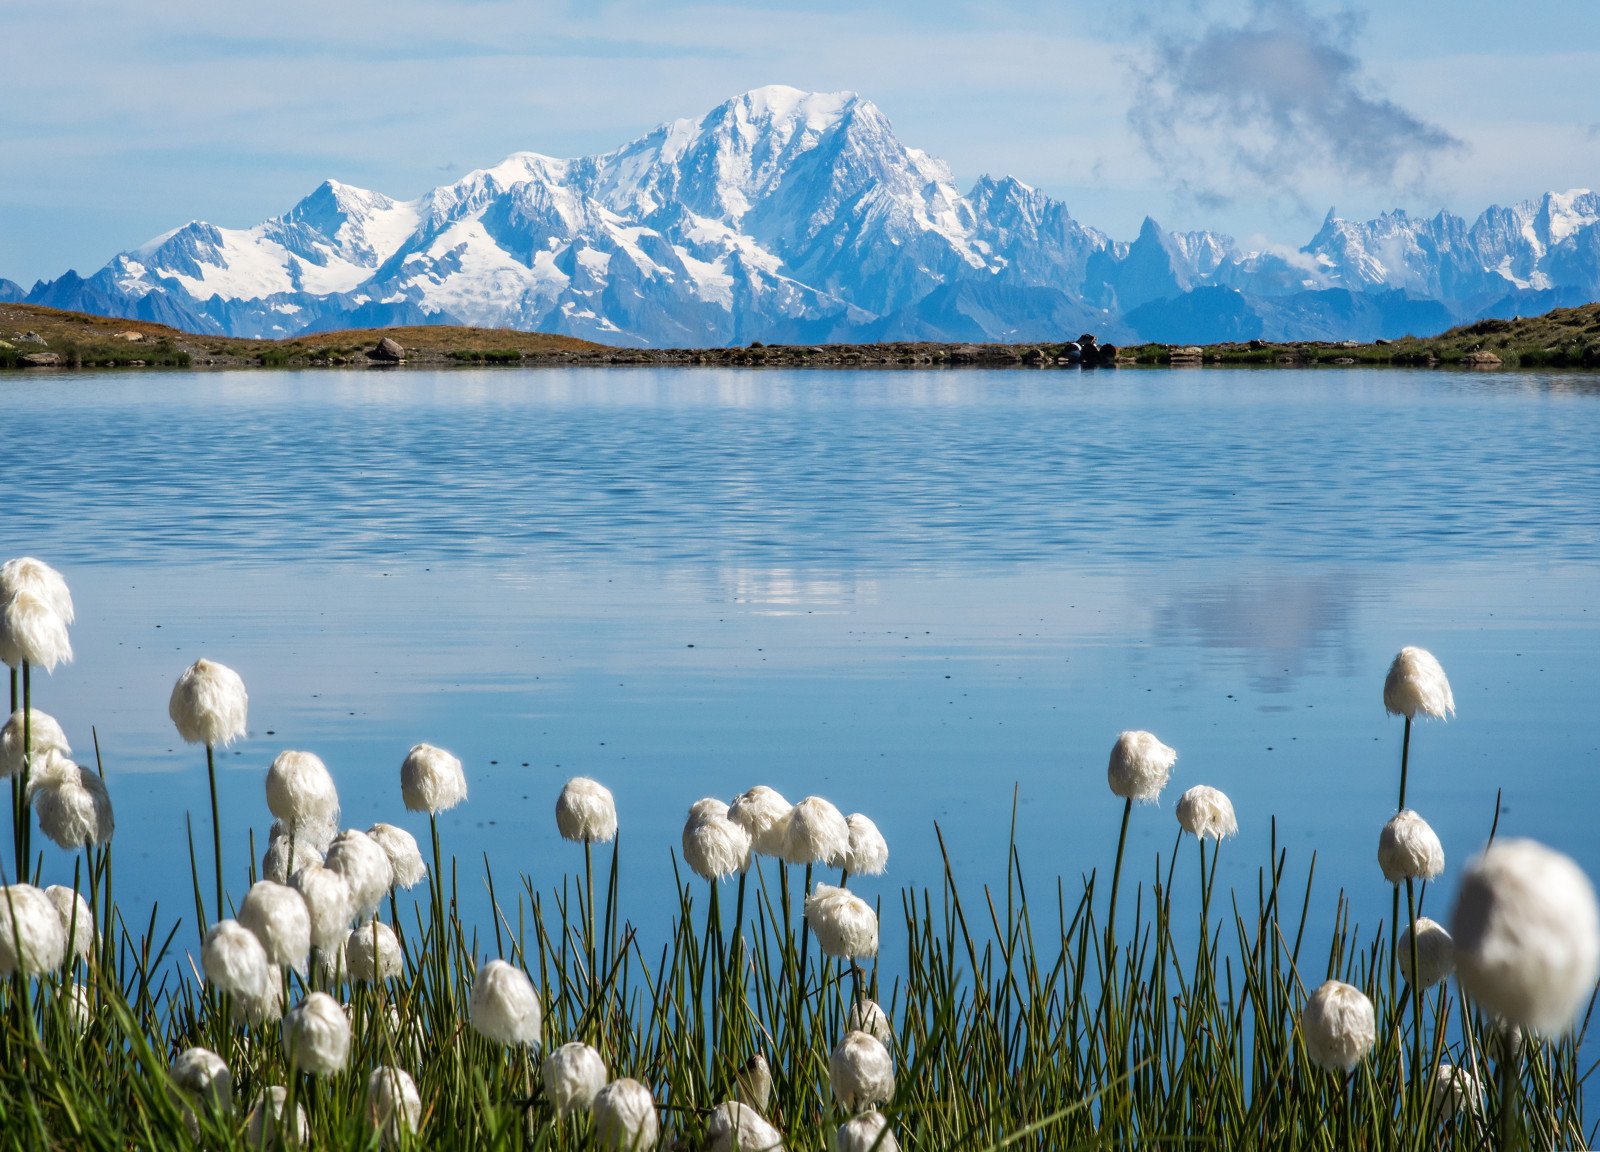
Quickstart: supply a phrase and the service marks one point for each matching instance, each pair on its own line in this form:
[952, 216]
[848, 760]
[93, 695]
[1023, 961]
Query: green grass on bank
[1021, 1017]
[1564, 338]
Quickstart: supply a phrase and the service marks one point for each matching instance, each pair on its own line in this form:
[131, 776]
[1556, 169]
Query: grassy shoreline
[1564, 338]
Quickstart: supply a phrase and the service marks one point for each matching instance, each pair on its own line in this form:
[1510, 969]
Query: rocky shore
[35, 338]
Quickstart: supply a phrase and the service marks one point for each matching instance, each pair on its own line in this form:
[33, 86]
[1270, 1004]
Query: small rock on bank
[388, 352]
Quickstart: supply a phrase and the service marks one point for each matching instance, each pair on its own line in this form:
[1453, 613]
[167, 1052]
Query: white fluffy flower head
[1417, 683]
[372, 952]
[845, 925]
[406, 869]
[761, 812]
[1527, 935]
[867, 1132]
[869, 851]
[736, 1127]
[1408, 849]
[25, 574]
[393, 1104]
[234, 960]
[505, 1007]
[365, 867]
[1456, 1091]
[276, 864]
[72, 804]
[868, 1016]
[753, 1083]
[1139, 767]
[585, 811]
[815, 832]
[1204, 811]
[209, 705]
[1436, 953]
[1338, 1025]
[278, 917]
[328, 899]
[28, 918]
[300, 790]
[861, 1072]
[316, 1035]
[431, 780]
[573, 1075]
[205, 1076]
[713, 845]
[44, 737]
[77, 922]
[267, 1128]
[625, 1117]
[31, 632]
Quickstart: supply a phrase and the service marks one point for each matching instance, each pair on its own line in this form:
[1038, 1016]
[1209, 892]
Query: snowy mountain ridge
[784, 215]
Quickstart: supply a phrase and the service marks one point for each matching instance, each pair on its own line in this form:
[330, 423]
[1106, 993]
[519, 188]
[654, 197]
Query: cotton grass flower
[736, 1127]
[300, 790]
[573, 1075]
[406, 869]
[1456, 1091]
[1527, 935]
[316, 1035]
[78, 1002]
[235, 962]
[393, 1104]
[431, 780]
[1338, 1026]
[867, 1132]
[752, 1084]
[277, 916]
[267, 1128]
[44, 737]
[861, 1072]
[1203, 812]
[585, 811]
[372, 952]
[1408, 849]
[625, 1117]
[1417, 683]
[25, 574]
[204, 1076]
[32, 940]
[277, 864]
[761, 812]
[868, 1016]
[77, 922]
[209, 705]
[1436, 953]
[869, 851]
[31, 632]
[713, 845]
[1139, 767]
[328, 899]
[815, 832]
[72, 804]
[365, 867]
[505, 1008]
[844, 924]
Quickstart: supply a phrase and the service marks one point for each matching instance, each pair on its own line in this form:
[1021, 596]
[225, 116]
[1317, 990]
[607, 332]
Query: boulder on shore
[41, 360]
[1481, 360]
[387, 351]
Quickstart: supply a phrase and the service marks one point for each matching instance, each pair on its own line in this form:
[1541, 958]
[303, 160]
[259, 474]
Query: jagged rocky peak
[789, 215]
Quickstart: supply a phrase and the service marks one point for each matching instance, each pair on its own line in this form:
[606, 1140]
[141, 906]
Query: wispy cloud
[1272, 107]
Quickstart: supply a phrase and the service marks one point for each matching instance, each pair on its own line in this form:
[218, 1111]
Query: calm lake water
[911, 592]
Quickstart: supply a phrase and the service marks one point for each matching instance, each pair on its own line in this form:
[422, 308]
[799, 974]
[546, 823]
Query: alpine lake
[935, 597]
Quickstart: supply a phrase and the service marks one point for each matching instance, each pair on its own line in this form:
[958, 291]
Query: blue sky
[1250, 116]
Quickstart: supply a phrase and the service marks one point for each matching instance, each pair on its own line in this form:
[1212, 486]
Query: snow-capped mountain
[783, 215]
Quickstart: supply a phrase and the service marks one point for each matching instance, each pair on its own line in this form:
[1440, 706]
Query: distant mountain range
[786, 216]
